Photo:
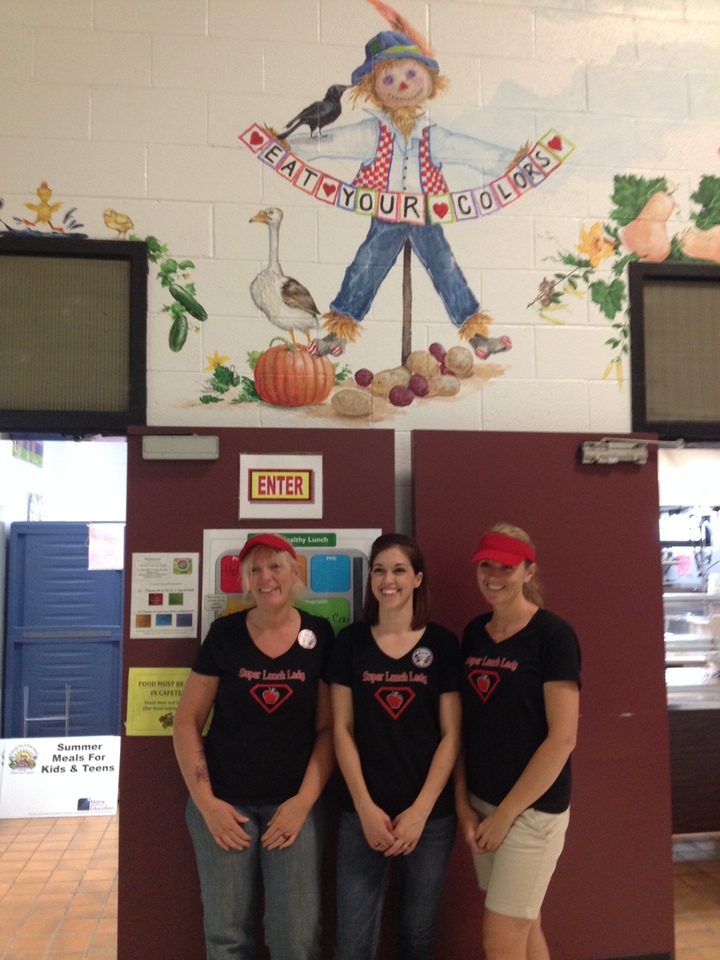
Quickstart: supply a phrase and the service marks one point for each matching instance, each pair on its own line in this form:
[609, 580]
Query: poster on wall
[164, 595]
[333, 570]
[153, 694]
[106, 546]
[59, 777]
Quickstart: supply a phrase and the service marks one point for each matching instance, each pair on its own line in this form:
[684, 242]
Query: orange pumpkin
[289, 377]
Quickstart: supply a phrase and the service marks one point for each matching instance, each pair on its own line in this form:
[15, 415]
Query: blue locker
[64, 635]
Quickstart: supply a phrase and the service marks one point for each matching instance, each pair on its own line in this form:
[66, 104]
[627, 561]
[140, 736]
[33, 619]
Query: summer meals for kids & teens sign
[59, 777]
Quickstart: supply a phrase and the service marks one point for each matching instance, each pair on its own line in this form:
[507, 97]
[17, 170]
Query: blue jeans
[229, 884]
[379, 251]
[362, 880]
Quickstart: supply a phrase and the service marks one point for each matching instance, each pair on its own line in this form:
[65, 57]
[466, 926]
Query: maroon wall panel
[596, 529]
[170, 504]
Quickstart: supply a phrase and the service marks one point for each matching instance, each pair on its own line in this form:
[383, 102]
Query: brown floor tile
[84, 911]
[105, 862]
[29, 940]
[26, 847]
[73, 854]
[74, 934]
[62, 874]
[14, 856]
[22, 889]
[701, 937]
[13, 954]
[62, 954]
[66, 887]
[95, 886]
[58, 888]
[92, 873]
[106, 934]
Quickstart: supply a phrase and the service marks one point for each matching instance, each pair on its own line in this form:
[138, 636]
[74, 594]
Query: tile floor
[58, 891]
[696, 860]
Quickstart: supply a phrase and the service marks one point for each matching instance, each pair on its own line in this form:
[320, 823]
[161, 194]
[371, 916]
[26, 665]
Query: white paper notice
[164, 598]
[106, 546]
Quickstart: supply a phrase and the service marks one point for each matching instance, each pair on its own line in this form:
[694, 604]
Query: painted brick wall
[137, 106]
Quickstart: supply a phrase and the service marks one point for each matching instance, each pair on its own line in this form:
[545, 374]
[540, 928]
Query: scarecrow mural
[402, 157]
[408, 176]
[400, 184]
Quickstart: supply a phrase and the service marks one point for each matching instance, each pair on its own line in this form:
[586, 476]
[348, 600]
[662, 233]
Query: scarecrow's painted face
[403, 83]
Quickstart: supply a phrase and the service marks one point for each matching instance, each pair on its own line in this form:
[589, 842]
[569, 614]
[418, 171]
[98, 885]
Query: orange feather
[398, 22]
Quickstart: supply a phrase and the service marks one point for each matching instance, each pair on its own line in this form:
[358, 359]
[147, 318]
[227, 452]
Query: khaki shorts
[516, 875]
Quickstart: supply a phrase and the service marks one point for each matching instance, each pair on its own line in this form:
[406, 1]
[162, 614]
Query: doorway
[689, 482]
[56, 481]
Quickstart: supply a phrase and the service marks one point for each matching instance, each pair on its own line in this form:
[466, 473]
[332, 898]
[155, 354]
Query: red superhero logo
[484, 682]
[394, 699]
[270, 696]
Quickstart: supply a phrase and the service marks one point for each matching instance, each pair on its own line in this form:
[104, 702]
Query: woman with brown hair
[396, 709]
[520, 689]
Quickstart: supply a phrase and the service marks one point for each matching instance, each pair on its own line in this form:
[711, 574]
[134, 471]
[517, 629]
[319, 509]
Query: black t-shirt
[503, 707]
[396, 711]
[263, 727]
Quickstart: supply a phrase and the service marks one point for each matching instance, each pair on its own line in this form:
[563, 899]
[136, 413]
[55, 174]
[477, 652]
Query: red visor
[503, 549]
[266, 540]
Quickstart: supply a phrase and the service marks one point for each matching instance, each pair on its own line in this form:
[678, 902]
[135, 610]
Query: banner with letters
[528, 172]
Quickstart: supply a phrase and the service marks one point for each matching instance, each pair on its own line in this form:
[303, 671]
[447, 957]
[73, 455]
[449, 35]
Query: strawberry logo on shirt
[394, 699]
[270, 696]
[484, 682]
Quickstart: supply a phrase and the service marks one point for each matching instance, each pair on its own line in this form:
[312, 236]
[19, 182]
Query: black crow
[318, 114]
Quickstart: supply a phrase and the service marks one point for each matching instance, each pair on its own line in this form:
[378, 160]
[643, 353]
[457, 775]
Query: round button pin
[307, 639]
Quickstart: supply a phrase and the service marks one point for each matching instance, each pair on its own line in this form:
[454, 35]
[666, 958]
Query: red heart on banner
[256, 139]
[440, 209]
[328, 189]
[555, 143]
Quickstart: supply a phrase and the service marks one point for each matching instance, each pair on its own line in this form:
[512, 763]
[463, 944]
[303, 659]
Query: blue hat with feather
[391, 45]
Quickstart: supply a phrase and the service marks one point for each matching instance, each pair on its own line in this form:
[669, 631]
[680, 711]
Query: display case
[692, 649]
[691, 602]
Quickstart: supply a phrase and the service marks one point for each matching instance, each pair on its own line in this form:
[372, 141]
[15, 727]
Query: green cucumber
[188, 301]
[178, 333]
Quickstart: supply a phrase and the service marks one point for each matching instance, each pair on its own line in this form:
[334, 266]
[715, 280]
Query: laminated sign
[59, 777]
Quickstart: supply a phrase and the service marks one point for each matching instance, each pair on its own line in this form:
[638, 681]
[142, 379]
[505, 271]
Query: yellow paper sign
[153, 694]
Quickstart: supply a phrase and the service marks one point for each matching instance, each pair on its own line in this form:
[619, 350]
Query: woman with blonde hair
[255, 782]
[520, 690]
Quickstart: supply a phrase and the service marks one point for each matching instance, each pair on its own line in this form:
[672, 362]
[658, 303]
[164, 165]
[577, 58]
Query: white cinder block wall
[136, 106]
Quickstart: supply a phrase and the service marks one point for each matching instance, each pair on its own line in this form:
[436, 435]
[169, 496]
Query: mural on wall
[45, 212]
[183, 308]
[636, 229]
[289, 319]
[400, 186]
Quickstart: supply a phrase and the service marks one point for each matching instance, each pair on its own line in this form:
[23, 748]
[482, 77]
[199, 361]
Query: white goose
[284, 301]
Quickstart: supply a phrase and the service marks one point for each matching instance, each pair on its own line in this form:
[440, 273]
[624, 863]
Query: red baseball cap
[503, 549]
[266, 540]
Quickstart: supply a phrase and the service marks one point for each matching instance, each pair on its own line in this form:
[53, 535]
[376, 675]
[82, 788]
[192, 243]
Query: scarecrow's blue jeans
[379, 251]
[229, 881]
[362, 881]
